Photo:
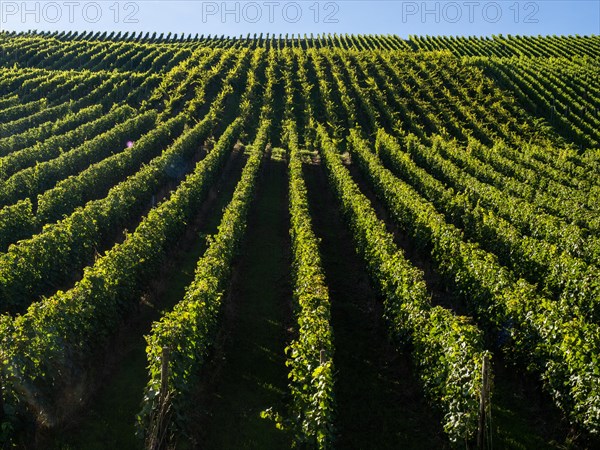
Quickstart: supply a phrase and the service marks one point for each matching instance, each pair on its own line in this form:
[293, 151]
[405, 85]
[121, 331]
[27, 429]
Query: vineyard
[315, 242]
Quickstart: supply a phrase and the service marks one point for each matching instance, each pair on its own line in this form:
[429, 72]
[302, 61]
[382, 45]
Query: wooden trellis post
[484, 403]
[159, 421]
[164, 374]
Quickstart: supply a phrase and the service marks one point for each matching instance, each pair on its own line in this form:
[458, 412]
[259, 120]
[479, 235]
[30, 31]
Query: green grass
[253, 376]
[522, 417]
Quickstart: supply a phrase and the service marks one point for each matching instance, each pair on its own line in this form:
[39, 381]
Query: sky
[235, 18]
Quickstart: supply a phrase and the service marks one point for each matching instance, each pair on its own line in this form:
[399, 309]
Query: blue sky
[403, 18]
